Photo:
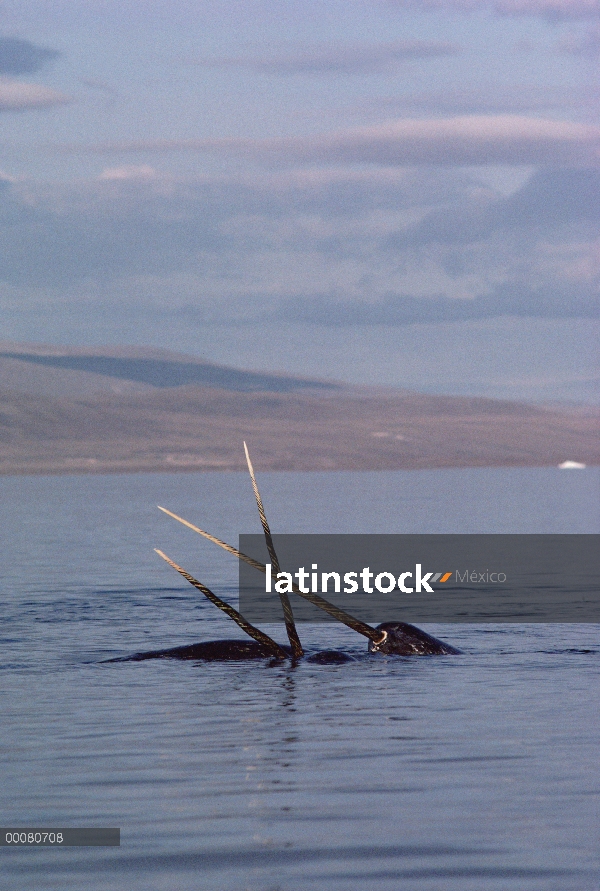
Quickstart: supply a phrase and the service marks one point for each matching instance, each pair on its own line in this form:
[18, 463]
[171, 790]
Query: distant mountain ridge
[165, 371]
[76, 409]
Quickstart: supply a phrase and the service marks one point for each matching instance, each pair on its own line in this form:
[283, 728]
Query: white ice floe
[571, 465]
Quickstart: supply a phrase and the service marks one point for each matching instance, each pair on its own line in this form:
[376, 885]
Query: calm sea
[476, 772]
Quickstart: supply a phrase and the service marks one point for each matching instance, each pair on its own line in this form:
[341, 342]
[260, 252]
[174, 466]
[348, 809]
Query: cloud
[551, 201]
[333, 58]
[94, 83]
[585, 45]
[458, 141]
[22, 57]
[504, 300]
[327, 246]
[133, 222]
[554, 198]
[18, 96]
[552, 9]
[548, 9]
[492, 98]
[474, 139]
[118, 228]
[128, 172]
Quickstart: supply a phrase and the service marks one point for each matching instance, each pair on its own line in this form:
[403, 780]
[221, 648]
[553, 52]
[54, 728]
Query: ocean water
[476, 772]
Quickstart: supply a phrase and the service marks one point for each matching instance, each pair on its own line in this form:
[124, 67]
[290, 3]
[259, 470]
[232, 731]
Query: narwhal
[388, 638]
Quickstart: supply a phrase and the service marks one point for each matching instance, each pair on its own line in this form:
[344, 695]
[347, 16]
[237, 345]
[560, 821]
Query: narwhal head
[402, 639]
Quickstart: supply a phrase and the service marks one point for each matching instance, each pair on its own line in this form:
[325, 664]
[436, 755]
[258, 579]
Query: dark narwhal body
[389, 638]
[401, 639]
[208, 651]
[233, 651]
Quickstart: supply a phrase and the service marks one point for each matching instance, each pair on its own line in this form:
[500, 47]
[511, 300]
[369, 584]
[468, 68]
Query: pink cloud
[18, 96]
[454, 141]
[128, 172]
[473, 139]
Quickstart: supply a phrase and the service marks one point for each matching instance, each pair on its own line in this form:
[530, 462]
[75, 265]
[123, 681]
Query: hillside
[84, 410]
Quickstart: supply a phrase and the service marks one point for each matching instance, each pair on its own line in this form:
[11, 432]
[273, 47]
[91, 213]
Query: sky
[397, 192]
